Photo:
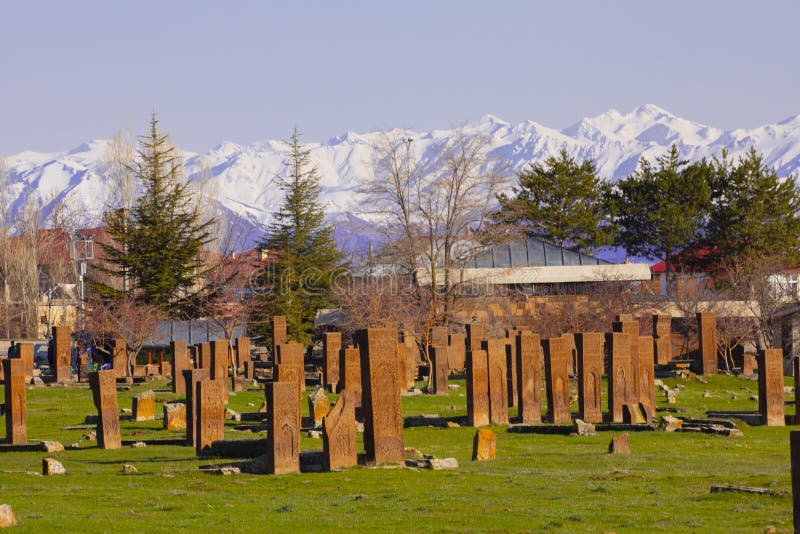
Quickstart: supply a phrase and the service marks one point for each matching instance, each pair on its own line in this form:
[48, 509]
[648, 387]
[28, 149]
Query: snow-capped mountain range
[243, 176]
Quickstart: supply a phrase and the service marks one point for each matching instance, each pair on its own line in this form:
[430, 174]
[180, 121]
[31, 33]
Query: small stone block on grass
[144, 406]
[620, 444]
[484, 446]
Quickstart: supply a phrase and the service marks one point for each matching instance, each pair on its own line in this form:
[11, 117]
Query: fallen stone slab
[425, 420]
[747, 489]
[51, 466]
[239, 448]
[152, 442]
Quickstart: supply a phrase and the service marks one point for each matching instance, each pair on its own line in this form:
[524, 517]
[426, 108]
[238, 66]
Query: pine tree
[298, 281]
[560, 202]
[156, 247]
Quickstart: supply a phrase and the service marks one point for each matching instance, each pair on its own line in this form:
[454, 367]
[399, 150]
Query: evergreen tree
[156, 247]
[298, 281]
[754, 212]
[560, 202]
[662, 208]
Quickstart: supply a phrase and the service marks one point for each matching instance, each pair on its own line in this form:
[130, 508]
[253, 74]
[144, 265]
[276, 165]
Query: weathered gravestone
[25, 353]
[402, 366]
[83, 368]
[191, 377]
[279, 336]
[331, 345]
[484, 445]
[440, 369]
[339, 433]
[412, 364]
[457, 351]
[219, 360]
[383, 418]
[104, 394]
[290, 368]
[210, 396]
[14, 385]
[770, 387]
[174, 415]
[283, 430]
[620, 444]
[62, 351]
[589, 347]
[662, 338]
[498, 384]
[569, 341]
[646, 392]
[630, 327]
[144, 406]
[475, 336]
[350, 377]
[438, 336]
[477, 388]
[748, 364]
[707, 335]
[529, 377]
[119, 357]
[318, 406]
[180, 363]
[511, 367]
[242, 347]
[556, 380]
[620, 389]
[203, 351]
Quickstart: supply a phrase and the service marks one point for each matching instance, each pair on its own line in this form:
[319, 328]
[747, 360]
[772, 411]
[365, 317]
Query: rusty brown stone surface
[770, 387]
[242, 348]
[457, 351]
[646, 392]
[383, 418]
[529, 377]
[556, 380]
[318, 406]
[331, 345]
[572, 364]
[589, 348]
[662, 338]
[339, 433]
[144, 406]
[438, 336]
[707, 335]
[191, 377]
[26, 355]
[174, 416]
[291, 368]
[402, 366]
[219, 360]
[477, 388]
[476, 335]
[498, 382]
[104, 394]
[484, 445]
[210, 395]
[204, 356]
[180, 363]
[350, 364]
[620, 387]
[15, 399]
[511, 367]
[283, 431]
[412, 364]
[279, 336]
[62, 350]
[441, 372]
[119, 357]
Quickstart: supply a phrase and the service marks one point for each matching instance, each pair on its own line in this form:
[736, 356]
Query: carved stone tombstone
[210, 396]
[477, 388]
[204, 356]
[589, 347]
[26, 355]
[556, 367]
[572, 364]
[620, 389]
[283, 430]
[383, 418]
[15, 398]
[498, 383]
[290, 368]
[119, 357]
[331, 345]
[662, 338]
[144, 406]
[243, 354]
[440, 369]
[180, 363]
[770, 387]
[707, 334]
[646, 392]
[191, 377]
[219, 360]
[350, 377]
[339, 433]
[529, 377]
[402, 366]
[104, 394]
[475, 336]
[511, 367]
[628, 325]
[279, 336]
[412, 364]
[438, 336]
[62, 351]
[457, 351]
[318, 406]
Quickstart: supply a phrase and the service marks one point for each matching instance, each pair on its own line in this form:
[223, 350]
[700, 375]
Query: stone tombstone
[283, 430]
[794, 445]
[104, 394]
[402, 366]
[15, 399]
[279, 336]
[620, 444]
[707, 337]
[477, 388]
[144, 406]
[796, 374]
[180, 362]
[62, 341]
[166, 368]
[219, 360]
[119, 357]
[210, 395]
[511, 367]
[556, 369]
[646, 392]
[662, 338]
[339, 434]
[438, 336]
[770, 387]
[412, 364]
[291, 368]
[350, 378]
[331, 345]
[748, 364]
[440, 369]
[204, 356]
[383, 418]
[25, 353]
[83, 368]
[498, 383]
[620, 388]
[589, 347]
[318, 406]
[174, 416]
[484, 445]
[569, 339]
[191, 377]
[457, 351]
[242, 346]
[475, 336]
[630, 327]
[529, 377]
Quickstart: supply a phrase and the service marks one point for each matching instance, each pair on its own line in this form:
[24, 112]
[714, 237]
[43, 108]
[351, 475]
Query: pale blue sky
[248, 71]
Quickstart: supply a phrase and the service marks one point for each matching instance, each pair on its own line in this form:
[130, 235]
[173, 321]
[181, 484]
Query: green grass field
[537, 483]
